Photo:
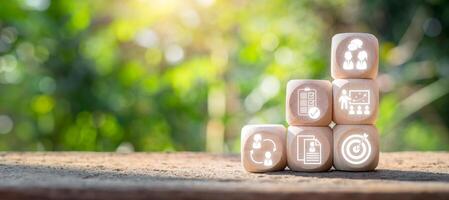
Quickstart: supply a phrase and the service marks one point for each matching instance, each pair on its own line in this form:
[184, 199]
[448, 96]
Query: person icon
[367, 111]
[257, 141]
[351, 110]
[361, 62]
[268, 161]
[344, 100]
[348, 64]
[312, 148]
[359, 110]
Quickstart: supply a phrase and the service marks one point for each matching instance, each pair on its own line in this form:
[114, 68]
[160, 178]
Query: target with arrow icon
[356, 149]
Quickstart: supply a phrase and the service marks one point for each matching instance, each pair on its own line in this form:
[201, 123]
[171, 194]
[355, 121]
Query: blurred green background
[186, 75]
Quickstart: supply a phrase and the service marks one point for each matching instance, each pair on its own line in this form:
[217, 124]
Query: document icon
[308, 149]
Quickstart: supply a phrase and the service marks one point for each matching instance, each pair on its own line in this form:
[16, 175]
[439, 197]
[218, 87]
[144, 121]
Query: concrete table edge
[187, 175]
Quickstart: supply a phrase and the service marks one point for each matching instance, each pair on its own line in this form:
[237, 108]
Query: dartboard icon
[356, 149]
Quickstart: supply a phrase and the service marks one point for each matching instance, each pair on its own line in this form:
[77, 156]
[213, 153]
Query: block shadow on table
[379, 174]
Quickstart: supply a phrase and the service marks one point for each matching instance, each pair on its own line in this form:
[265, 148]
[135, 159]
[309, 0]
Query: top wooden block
[354, 56]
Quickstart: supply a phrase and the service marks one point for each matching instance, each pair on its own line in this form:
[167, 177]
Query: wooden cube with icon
[351, 101]
[263, 147]
[309, 148]
[309, 102]
[354, 55]
[356, 147]
[356, 101]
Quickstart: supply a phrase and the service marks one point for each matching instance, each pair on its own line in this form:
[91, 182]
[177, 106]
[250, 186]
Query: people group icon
[355, 46]
[257, 145]
[359, 110]
[355, 106]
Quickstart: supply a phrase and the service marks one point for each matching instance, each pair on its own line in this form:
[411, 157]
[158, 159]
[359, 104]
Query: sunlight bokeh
[171, 75]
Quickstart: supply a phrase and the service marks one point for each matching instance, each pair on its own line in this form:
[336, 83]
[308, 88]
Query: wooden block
[356, 101]
[354, 55]
[309, 149]
[309, 102]
[356, 147]
[263, 147]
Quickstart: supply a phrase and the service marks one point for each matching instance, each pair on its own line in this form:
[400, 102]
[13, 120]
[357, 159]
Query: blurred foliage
[172, 75]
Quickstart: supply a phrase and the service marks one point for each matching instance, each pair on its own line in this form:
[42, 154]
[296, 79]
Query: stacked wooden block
[350, 101]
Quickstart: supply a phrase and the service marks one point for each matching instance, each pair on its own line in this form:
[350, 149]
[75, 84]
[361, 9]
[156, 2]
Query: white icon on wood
[268, 161]
[257, 145]
[356, 149]
[356, 102]
[355, 48]
[307, 103]
[308, 150]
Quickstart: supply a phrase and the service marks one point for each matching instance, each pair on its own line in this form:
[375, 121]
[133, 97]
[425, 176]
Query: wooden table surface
[81, 175]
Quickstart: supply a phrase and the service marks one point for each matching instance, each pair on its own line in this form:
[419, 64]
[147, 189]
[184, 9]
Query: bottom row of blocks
[309, 149]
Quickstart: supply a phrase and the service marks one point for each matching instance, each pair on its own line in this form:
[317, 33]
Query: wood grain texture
[406, 175]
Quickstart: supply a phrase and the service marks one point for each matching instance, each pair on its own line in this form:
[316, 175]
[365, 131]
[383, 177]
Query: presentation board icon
[355, 102]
